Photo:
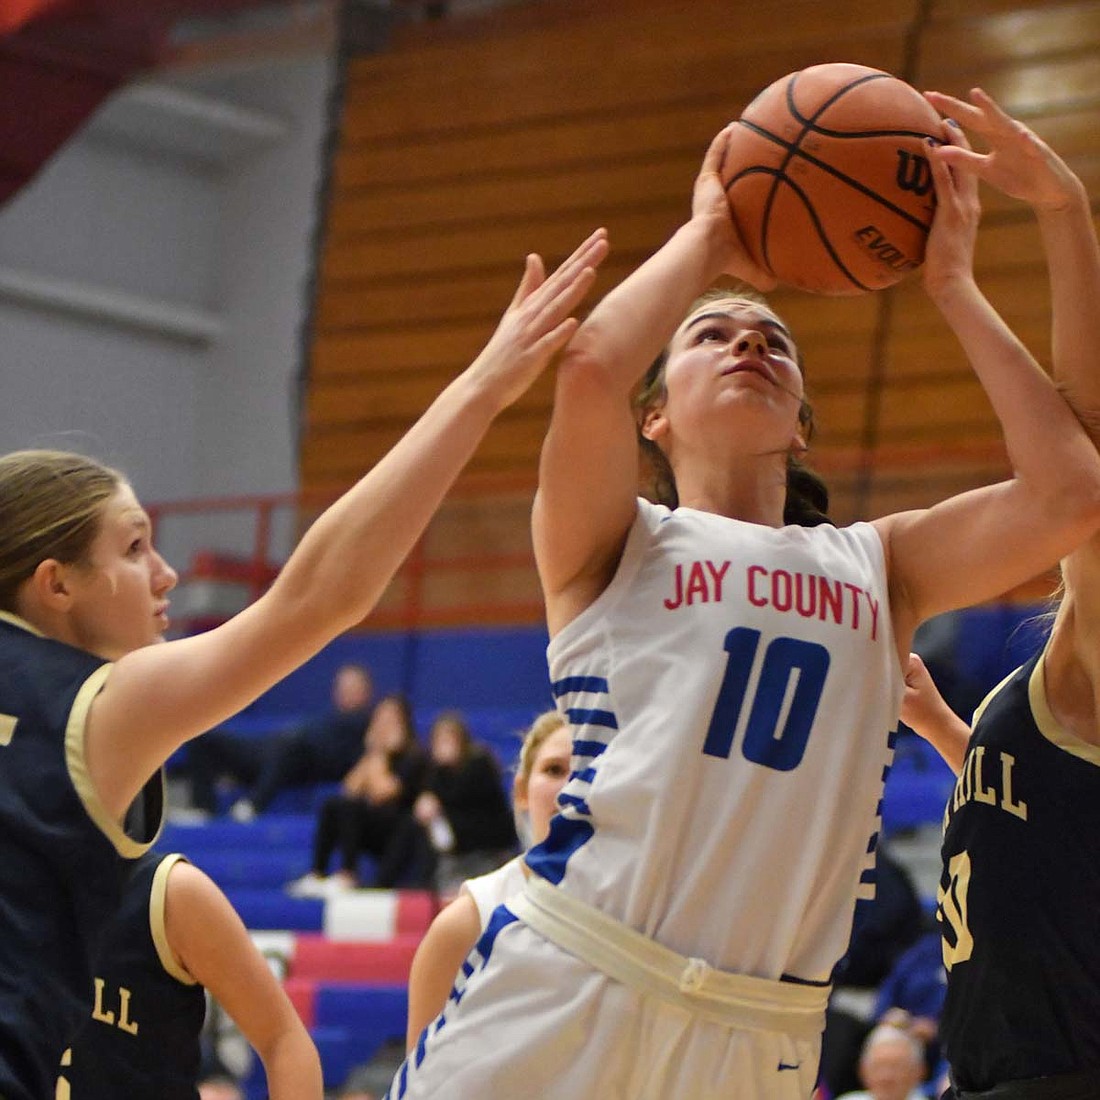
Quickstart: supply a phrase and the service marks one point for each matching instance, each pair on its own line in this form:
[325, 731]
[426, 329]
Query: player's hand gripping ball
[828, 177]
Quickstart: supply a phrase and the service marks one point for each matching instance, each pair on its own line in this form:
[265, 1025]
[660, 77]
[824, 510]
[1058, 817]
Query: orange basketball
[828, 176]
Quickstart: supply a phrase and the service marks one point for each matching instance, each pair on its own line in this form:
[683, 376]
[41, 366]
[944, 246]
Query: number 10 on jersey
[782, 707]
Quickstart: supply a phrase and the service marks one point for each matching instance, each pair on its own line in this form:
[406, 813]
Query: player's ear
[50, 585]
[519, 794]
[654, 424]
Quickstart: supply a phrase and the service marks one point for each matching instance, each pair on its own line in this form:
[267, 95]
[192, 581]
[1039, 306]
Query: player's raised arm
[158, 696]
[977, 545]
[588, 474]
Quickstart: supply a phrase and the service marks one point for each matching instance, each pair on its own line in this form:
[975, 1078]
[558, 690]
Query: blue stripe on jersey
[579, 716]
[585, 702]
[549, 858]
[478, 957]
[574, 684]
[867, 876]
[578, 804]
[590, 749]
[872, 844]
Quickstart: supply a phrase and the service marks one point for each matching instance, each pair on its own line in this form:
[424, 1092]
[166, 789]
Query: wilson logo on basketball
[914, 173]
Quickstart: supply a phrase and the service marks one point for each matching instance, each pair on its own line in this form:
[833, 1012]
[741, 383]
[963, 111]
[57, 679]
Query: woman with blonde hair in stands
[91, 706]
[541, 773]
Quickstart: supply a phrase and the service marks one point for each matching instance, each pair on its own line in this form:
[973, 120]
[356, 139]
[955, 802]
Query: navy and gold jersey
[1020, 895]
[63, 859]
[142, 1041]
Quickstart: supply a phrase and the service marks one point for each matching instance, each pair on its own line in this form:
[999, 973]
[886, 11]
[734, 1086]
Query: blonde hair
[51, 504]
[547, 723]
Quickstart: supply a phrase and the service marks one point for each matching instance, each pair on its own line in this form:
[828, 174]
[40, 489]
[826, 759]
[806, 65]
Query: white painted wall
[219, 227]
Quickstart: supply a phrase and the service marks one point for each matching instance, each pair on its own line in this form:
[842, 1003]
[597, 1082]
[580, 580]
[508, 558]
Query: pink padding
[416, 909]
[302, 993]
[319, 959]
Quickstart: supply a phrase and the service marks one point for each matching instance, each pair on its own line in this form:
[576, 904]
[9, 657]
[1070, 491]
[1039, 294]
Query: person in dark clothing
[377, 793]
[462, 823]
[881, 931]
[321, 751]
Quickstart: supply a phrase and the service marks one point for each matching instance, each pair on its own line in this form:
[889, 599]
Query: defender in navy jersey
[61, 885]
[142, 1039]
[143, 1036]
[91, 706]
[731, 665]
[1020, 894]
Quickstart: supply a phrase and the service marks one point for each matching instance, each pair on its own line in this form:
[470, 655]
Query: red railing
[405, 606]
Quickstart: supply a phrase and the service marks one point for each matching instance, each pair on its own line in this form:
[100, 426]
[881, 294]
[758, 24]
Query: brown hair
[807, 503]
[454, 719]
[51, 504]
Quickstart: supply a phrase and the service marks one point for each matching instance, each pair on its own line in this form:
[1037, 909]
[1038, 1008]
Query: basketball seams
[793, 149]
[838, 94]
[861, 175]
[825, 167]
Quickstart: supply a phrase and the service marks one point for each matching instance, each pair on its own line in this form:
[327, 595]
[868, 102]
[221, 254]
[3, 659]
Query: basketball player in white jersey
[542, 772]
[732, 682]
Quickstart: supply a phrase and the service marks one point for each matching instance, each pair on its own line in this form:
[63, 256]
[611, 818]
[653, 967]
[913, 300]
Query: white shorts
[528, 1020]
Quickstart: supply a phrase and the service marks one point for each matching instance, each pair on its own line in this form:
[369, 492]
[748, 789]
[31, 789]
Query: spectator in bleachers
[175, 938]
[891, 1066]
[376, 795]
[321, 751]
[542, 772]
[882, 930]
[913, 993]
[461, 824]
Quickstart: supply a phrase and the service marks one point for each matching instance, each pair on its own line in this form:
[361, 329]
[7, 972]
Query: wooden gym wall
[474, 140]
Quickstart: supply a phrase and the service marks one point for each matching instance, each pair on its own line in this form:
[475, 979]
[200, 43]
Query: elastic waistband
[735, 1000]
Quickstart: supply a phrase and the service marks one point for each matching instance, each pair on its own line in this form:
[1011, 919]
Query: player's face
[120, 596]
[549, 774]
[734, 354]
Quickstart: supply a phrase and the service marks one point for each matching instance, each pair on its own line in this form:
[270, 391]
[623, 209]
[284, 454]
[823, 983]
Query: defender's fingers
[533, 274]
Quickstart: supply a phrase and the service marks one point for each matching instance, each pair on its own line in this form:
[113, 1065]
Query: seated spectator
[543, 771]
[462, 821]
[320, 751]
[882, 930]
[891, 1066]
[912, 995]
[377, 794]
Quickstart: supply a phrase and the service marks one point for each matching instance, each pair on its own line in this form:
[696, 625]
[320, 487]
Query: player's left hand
[1019, 163]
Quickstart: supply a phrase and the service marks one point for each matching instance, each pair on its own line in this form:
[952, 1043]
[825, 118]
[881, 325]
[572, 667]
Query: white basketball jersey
[495, 888]
[732, 695]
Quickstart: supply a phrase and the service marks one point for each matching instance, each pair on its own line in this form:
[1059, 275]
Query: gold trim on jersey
[1049, 726]
[158, 900]
[15, 620]
[125, 845]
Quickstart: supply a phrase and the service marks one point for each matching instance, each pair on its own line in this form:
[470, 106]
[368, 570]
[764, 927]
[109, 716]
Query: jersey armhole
[153, 791]
[158, 901]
